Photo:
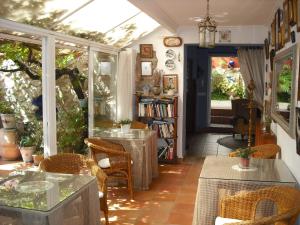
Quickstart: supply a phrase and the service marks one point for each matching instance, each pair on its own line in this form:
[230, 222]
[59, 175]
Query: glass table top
[266, 170]
[116, 133]
[39, 190]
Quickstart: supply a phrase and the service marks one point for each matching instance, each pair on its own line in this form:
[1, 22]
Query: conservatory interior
[149, 112]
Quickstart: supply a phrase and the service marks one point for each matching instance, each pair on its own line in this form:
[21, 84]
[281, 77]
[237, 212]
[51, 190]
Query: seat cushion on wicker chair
[104, 163]
[222, 220]
[100, 193]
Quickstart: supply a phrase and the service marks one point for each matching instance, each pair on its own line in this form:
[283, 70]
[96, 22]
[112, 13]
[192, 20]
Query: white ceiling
[175, 13]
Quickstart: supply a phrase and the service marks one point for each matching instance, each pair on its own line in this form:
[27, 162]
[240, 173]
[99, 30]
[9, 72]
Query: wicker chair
[138, 125]
[243, 206]
[114, 160]
[72, 164]
[267, 151]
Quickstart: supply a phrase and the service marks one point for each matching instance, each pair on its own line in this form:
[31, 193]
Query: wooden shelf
[156, 100]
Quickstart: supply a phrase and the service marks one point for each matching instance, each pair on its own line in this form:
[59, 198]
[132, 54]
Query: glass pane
[105, 93]
[284, 87]
[47, 12]
[21, 96]
[71, 99]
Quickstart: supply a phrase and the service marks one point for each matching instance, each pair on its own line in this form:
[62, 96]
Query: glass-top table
[221, 176]
[142, 145]
[36, 197]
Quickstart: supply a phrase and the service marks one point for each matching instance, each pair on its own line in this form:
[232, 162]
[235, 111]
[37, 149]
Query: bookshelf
[160, 113]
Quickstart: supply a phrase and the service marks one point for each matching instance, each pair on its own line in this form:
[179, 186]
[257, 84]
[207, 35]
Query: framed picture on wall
[298, 130]
[277, 29]
[146, 50]
[286, 24]
[146, 68]
[292, 12]
[297, 12]
[273, 33]
[170, 82]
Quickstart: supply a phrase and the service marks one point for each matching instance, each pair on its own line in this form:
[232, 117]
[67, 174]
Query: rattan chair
[243, 206]
[266, 151]
[72, 164]
[113, 160]
[138, 125]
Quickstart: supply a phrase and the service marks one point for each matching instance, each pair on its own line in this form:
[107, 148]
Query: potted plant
[37, 156]
[125, 125]
[244, 154]
[7, 115]
[27, 147]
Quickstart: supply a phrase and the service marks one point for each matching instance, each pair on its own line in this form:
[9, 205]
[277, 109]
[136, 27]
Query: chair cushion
[104, 163]
[222, 220]
[101, 194]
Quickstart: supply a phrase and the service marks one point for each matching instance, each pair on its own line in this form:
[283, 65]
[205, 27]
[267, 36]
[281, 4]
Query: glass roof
[113, 22]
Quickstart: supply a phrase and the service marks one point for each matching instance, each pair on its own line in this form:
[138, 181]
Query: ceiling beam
[153, 10]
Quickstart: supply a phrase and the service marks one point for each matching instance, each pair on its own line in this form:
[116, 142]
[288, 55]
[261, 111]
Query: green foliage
[245, 152]
[285, 79]
[71, 128]
[125, 121]
[27, 141]
[5, 108]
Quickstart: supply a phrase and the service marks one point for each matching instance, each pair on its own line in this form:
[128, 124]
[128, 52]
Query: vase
[26, 153]
[125, 128]
[8, 121]
[244, 163]
[9, 152]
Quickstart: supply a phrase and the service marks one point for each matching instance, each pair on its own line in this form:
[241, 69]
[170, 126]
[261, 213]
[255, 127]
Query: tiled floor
[206, 144]
[171, 197]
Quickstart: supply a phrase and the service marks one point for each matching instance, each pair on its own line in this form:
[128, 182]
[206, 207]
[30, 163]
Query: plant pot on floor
[8, 121]
[26, 153]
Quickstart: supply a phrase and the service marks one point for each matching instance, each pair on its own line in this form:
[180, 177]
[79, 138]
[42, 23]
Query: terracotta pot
[8, 136]
[9, 152]
[244, 162]
[26, 153]
[8, 121]
[37, 159]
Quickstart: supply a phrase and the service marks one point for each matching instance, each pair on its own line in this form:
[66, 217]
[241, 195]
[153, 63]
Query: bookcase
[160, 113]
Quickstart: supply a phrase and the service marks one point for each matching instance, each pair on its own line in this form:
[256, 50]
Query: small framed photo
[146, 50]
[267, 53]
[105, 68]
[146, 68]
[224, 36]
[170, 82]
[286, 24]
[273, 33]
[292, 12]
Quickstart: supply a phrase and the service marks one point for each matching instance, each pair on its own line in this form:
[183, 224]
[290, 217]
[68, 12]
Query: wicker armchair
[243, 206]
[113, 160]
[266, 151]
[138, 125]
[72, 164]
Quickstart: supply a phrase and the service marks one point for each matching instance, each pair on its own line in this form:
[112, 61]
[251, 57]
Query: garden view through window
[226, 81]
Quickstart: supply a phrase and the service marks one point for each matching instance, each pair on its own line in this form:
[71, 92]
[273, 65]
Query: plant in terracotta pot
[38, 156]
[27, 147]
[244, 154]
[7, 115]
[125, 125]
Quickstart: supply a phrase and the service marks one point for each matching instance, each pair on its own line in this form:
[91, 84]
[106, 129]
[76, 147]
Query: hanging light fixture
[207, 31]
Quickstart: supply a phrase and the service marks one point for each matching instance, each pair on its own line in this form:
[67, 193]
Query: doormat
[233, 143]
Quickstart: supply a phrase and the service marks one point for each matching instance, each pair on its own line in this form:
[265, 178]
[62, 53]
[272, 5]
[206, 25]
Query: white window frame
[48, 43]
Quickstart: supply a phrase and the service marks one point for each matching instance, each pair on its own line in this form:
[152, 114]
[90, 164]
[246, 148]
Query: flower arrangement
[5, 108]
[125, 121]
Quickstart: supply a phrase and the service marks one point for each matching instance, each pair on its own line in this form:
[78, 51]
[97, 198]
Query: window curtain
[252, 64]
[125, 84]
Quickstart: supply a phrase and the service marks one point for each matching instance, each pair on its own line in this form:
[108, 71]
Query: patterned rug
[232, 143]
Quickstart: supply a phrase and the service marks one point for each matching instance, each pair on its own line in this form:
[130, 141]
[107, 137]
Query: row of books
[166, 152]
[155, 110]
[164, 129]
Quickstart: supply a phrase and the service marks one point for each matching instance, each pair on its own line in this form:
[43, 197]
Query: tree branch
[26, 69]
[10, 71]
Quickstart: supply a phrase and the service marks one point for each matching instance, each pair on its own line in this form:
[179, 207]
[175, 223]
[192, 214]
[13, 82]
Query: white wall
[287, 144]
[239, 35]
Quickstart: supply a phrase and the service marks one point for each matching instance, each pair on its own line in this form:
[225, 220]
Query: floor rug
[232, 143]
